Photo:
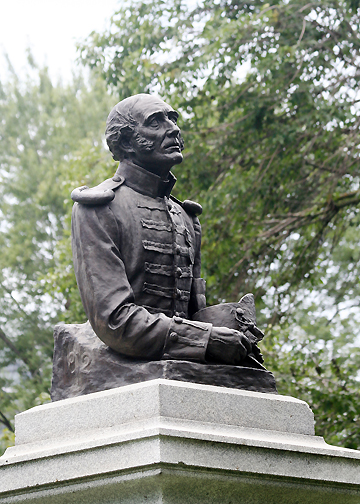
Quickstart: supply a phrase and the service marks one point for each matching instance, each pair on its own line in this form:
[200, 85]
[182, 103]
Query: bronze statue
[136, 252]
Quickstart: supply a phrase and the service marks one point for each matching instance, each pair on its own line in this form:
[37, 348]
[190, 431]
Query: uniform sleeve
[108, 298]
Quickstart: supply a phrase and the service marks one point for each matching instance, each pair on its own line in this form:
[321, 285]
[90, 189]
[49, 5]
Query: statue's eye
[173, 118]
[154, 123]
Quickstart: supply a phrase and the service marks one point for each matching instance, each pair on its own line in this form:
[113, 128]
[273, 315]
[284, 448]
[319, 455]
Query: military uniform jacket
[137, 263]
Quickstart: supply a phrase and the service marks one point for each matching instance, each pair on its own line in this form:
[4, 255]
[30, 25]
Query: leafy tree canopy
[268, 95]
[269, 100]
[43, 129]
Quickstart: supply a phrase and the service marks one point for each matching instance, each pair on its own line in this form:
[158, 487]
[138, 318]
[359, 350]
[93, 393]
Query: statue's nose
[174, 130]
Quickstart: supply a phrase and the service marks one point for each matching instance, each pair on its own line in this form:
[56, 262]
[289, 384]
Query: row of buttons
[173, 336]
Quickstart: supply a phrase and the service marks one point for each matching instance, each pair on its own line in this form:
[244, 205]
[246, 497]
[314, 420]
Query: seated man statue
[137, 250]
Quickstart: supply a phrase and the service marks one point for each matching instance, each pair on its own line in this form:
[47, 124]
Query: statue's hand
[257, 354]
[227, 346]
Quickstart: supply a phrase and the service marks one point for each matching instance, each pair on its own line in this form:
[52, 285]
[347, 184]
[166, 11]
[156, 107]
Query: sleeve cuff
[187, 340]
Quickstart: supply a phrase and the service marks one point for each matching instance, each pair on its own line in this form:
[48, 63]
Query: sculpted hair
[120, 124]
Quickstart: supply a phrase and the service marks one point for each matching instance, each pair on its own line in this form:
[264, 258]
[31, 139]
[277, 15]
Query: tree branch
[6, 422]
[13, 348]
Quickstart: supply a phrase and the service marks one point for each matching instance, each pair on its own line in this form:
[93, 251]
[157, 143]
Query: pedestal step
[165, 441]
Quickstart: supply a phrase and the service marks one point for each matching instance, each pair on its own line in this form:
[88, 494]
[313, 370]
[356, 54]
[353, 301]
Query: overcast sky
[50, 28]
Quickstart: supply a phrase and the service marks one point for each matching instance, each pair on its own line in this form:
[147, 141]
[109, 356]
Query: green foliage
[282, 139]
[41, 129]
[268, 95]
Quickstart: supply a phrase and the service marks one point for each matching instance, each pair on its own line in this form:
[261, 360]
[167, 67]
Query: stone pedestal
[165, 441]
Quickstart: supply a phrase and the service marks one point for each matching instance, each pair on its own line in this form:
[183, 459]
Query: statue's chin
[178, 158]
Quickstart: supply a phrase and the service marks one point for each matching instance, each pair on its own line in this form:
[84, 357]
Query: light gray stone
[171, 442]
[168, 399]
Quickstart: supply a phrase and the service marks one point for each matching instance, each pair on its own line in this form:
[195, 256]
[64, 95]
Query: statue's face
[156, 140]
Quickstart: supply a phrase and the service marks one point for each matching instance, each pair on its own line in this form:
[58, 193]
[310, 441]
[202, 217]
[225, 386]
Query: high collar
[145, 182]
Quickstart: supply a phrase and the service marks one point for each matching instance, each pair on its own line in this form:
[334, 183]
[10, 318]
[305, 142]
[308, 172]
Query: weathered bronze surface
[84, 364]
[137, 262]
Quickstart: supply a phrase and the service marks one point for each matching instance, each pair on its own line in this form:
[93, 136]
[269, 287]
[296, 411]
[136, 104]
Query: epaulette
[98, 195]
[191, 207]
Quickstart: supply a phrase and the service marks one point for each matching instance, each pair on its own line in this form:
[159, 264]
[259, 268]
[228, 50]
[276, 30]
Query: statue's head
[143, 129]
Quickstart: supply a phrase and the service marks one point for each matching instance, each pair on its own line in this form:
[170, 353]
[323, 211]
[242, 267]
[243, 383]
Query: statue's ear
[125, 140]
[126, 145]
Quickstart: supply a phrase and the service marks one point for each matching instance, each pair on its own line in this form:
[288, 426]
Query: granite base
[169, 442]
